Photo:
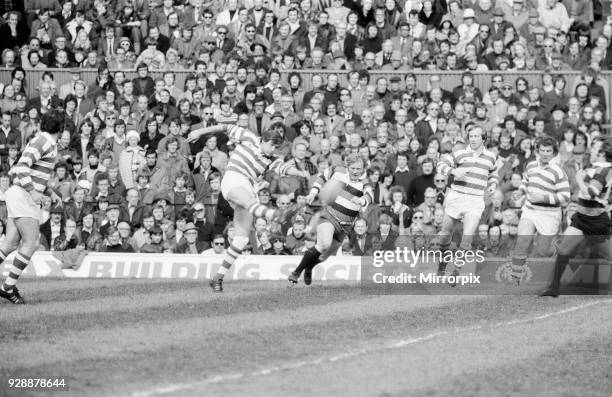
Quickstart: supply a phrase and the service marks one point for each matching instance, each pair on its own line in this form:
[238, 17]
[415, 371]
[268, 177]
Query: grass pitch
[159, 337]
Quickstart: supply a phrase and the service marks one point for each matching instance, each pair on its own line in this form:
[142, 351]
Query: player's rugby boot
[308, 276]
[216, 285]
[12, 296]
[293, 278]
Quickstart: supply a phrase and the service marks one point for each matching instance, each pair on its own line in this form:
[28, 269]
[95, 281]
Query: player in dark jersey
[338, 216]
[592, 218]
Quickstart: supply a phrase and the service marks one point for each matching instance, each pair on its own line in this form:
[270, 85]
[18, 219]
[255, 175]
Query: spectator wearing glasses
[224, 42]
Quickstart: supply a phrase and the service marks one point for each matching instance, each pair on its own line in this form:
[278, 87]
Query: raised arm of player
[284, 168]
[196, 134]
[235, 134]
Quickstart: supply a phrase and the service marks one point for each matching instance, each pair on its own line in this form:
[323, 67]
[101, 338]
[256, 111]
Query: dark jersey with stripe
[343, 209]
[599, 185]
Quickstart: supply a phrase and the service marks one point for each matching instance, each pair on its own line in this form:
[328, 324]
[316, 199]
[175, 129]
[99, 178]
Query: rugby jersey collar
[478, 152]
[547, 165]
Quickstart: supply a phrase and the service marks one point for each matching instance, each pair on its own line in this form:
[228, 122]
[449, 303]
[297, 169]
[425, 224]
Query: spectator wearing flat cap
[533, 26]
[497, 24]
[557, 125]
[190, 243]
[53, 227]
[108, 217]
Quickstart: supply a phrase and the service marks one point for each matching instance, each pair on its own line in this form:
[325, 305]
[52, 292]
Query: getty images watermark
[416, 267]
[479, 272]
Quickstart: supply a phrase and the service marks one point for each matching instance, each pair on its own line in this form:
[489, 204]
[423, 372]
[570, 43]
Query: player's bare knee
[28, 247]
[241, 198]
[323, 246]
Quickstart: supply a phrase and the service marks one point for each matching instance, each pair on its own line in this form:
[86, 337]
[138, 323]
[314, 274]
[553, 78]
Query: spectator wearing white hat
[467, 30]
[131, 159]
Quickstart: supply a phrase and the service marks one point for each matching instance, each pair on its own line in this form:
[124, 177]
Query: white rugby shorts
[546, 221]
[457, 205]
[19, 203]
[232, 180]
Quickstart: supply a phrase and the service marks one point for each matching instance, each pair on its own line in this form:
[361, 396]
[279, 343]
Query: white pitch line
[401, 343]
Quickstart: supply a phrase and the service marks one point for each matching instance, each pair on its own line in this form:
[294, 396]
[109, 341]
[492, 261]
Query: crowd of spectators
[297, 34]
[131, 182]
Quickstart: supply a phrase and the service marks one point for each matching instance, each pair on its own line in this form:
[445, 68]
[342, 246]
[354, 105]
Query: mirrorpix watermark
[418, 271]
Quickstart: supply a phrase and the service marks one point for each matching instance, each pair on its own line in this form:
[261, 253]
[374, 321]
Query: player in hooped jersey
[474, 172]
[592, 217]
[547, 190]
[30, 175]
[338, 216]
[251, 158]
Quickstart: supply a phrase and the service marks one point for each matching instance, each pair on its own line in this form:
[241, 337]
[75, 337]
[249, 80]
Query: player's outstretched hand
[56, 199]
[193, 136]
[310, 199]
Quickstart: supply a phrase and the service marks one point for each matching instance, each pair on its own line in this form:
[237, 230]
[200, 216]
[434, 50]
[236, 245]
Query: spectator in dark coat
[416, 190]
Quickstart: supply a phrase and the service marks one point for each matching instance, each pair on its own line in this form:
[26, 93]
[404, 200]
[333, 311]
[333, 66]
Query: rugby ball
[330, 191]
